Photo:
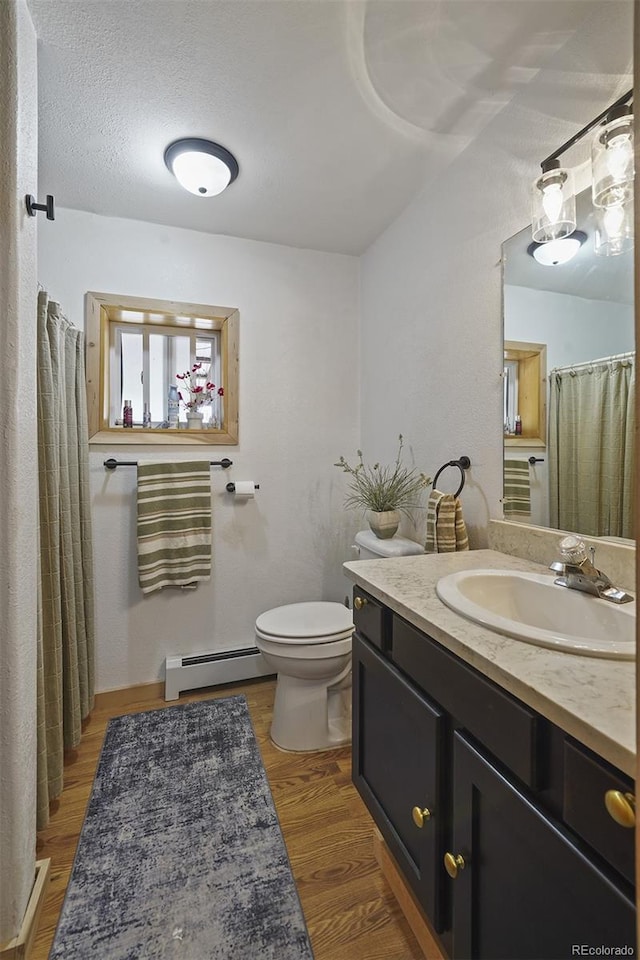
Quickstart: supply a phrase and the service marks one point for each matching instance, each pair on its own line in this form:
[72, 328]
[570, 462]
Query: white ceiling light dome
[556, 252]
[202, 167]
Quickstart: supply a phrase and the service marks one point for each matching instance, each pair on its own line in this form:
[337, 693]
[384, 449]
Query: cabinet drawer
[509, 730]
[587, 779]
[370, 618]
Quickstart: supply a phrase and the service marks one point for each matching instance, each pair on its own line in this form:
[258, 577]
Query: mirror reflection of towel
[516, 502]
[446, 529]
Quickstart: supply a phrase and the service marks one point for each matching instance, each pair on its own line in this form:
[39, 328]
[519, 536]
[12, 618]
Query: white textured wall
[431, 341]
[573, 328]
[18, 479]
[298, 413]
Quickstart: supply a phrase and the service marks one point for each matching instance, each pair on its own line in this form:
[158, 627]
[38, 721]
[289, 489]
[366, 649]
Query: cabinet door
[397, 744]
[527, 889]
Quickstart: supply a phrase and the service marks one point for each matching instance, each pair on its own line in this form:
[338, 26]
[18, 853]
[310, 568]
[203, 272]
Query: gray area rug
[181, 854]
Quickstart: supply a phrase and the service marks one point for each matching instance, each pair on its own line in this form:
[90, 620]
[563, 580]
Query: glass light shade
[553, 205]
[202, 174]
[612, 164]
[614, 229]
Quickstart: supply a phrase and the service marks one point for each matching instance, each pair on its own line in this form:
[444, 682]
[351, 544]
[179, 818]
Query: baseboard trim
[20, 947]
[125, 696]
[423, 932]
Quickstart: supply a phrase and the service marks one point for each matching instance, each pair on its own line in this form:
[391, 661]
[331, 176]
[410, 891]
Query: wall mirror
[576, 472]
[161, 371]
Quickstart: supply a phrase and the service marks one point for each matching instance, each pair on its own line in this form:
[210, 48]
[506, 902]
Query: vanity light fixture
[553, 213]
[557, 252]
[201, 166]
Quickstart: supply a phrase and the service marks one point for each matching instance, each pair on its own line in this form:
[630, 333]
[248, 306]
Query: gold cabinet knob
[621, 807]
[420, 814]
[359, 603]
[452, 863]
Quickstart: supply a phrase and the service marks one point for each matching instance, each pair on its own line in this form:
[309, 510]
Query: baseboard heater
[211, 669]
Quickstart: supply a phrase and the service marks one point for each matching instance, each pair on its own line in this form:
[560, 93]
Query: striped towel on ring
[174, 524]
[446, 529]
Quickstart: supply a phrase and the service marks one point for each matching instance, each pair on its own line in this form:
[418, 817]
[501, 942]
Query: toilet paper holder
[231, 487]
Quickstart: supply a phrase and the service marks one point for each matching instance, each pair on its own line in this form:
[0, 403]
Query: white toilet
[309, 646]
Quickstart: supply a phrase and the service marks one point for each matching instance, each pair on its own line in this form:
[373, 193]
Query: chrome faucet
[578, 572]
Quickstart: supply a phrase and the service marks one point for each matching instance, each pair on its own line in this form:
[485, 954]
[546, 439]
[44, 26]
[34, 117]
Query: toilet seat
[315, 622]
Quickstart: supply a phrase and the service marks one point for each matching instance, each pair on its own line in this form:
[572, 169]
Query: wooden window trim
[532, 401]
[101, 308]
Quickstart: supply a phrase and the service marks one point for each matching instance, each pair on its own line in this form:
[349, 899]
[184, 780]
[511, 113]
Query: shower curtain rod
[631, 355]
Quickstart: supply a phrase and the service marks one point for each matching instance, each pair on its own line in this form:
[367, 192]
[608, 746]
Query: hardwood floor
[350, 911]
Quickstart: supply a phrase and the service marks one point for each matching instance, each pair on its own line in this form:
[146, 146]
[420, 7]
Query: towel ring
[462, 464]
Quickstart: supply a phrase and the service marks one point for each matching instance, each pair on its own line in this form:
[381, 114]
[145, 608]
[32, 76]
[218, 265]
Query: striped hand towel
[516, 501]
[174, 523]
[446, 529]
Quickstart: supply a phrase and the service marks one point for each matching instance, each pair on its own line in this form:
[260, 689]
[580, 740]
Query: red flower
[179, 395]
[196, 366]
[197, 389]
[211, 386]
[220, 392]
[180, 376]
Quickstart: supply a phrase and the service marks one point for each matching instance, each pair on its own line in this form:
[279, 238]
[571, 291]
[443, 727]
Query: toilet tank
[370, 547]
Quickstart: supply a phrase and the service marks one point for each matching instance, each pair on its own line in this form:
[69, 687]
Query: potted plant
[384, 492]
[199, 395]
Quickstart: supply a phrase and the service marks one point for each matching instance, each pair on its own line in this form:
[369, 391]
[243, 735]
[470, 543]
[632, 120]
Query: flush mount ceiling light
[201, 166]
[553, 213]
[557, 252]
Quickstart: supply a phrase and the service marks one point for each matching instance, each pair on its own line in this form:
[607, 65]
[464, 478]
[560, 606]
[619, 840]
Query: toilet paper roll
[245, 489]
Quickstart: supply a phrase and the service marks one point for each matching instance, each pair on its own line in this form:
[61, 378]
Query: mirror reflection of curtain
[591, 447]
[65, 678]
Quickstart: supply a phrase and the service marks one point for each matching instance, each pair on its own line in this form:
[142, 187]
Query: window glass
[131, 367]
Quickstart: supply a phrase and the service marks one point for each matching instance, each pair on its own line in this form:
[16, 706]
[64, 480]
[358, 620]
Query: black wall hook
[33, 207]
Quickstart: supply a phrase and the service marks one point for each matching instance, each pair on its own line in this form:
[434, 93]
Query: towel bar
[463, 463]
[111, 464]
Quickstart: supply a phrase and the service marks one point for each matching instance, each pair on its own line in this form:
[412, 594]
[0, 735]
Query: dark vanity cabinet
[495, 816]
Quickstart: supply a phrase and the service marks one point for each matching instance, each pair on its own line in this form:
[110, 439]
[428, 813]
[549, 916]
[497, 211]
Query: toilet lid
[305, 621]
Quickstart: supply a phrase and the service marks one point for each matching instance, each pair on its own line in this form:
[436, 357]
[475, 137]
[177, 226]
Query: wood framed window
[135, 348]
[526, 364]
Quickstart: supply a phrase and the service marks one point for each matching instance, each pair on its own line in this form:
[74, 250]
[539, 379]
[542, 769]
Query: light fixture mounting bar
[547, 163]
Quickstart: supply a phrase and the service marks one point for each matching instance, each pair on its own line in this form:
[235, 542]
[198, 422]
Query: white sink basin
[531, 607]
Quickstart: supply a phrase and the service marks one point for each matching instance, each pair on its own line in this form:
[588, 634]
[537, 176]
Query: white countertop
[593, 699]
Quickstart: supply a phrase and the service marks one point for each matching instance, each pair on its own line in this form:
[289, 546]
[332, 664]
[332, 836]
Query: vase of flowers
[195, 393]
[385, 492]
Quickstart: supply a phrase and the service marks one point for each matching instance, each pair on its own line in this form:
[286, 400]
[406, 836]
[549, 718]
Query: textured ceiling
[338, 111]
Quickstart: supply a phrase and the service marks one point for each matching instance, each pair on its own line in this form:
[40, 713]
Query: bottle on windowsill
[518, 427]
[127, 414]
[173, 408]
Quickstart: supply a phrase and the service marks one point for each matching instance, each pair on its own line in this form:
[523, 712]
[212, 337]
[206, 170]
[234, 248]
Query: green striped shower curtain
[65, 609]
[591, 448]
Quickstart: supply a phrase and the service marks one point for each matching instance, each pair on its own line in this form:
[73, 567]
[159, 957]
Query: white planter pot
[194, 420]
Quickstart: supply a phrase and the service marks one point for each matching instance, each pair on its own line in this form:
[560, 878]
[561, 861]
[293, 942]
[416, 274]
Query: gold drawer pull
[453, 863]
[621, 807]
[359, 603]
[420, 814]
